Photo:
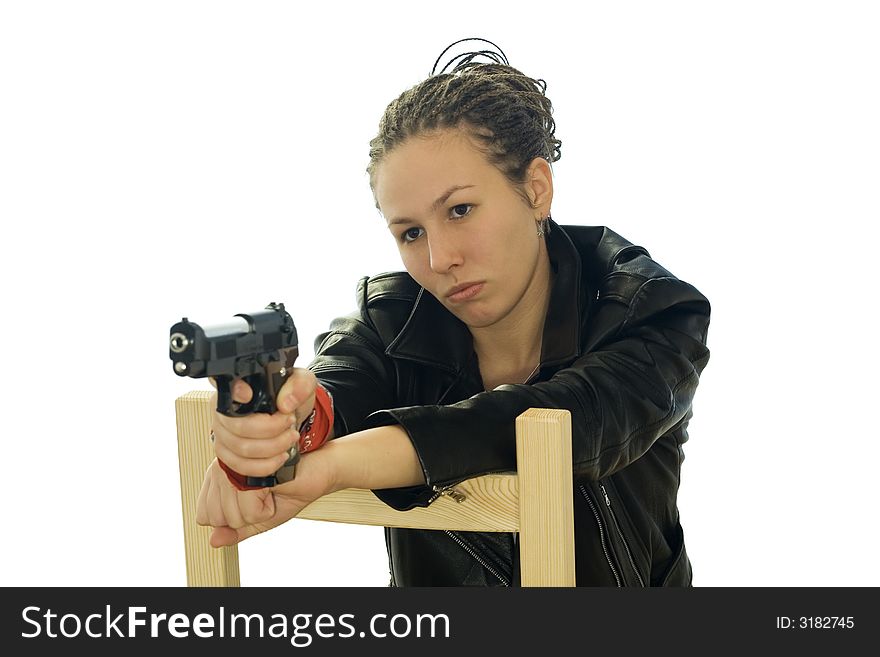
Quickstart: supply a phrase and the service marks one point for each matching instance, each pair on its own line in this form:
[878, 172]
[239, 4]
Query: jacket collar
[434, 336]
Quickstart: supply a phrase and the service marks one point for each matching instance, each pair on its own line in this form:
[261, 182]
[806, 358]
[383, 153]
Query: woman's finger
[201, 503]
[253, 467]
[223, 536]
[253, 448]
[255, 425]
[241, 392]
[229, 501]
[257, 506]
[214, 505]
[296, 392]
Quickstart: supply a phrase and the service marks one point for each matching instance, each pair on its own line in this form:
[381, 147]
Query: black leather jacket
[624, 344]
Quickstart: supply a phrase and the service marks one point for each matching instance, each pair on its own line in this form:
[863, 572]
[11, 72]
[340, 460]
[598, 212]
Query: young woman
[500, 309]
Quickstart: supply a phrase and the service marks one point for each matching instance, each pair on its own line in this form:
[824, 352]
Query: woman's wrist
[320, 466]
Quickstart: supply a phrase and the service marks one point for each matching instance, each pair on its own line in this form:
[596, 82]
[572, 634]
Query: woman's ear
[539, 185]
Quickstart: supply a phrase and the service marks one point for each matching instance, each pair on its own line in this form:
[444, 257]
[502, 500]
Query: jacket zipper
[477, 557]
[460, 497]
[449, 491]
[601, 534]
[620, 534]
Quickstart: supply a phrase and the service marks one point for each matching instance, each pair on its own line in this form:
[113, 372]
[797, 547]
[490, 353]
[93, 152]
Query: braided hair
[504, 111]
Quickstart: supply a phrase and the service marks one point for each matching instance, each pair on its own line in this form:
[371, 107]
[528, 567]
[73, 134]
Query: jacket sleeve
[634, 382]
[350, 363]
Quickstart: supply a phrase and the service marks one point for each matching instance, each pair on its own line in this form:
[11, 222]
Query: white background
[162, 159]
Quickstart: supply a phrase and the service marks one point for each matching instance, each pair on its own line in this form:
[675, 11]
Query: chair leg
[543, 454]
[205, 566]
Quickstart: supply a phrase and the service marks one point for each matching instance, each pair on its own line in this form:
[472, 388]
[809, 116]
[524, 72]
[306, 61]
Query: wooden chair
[536, 501]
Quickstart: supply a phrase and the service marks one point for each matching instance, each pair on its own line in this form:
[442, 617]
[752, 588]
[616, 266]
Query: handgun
[259, 348]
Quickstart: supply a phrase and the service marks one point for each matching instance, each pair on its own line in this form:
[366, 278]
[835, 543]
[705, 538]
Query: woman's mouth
[467, 293]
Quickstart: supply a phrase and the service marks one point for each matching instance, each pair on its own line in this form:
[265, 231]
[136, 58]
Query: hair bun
[496, 56]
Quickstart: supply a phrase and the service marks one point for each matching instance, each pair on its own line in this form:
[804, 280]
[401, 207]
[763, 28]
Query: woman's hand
[239, 514]
[257, 445]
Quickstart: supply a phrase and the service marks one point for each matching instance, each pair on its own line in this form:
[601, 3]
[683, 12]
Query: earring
[543, 226]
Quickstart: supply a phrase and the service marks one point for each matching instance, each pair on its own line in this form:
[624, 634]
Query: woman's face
[458, 220]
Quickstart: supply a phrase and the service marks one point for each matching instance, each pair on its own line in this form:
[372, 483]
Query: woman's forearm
[377, 458]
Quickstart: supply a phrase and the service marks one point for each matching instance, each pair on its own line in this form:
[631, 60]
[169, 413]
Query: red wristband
[316, 429]
[236, 479]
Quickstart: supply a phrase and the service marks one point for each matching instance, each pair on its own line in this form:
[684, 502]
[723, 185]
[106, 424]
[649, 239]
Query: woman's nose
[444, 252]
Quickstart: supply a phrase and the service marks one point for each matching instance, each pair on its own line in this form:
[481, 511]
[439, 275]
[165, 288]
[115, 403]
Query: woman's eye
[407, 235]
[455, 212]
[461, 210]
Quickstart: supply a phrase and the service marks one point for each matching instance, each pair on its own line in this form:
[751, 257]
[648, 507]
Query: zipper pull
[449, 491]
[607, 499]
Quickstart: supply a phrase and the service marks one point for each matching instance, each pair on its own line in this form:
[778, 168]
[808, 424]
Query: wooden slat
[205, 566]
[543, 455]
[490, 505]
